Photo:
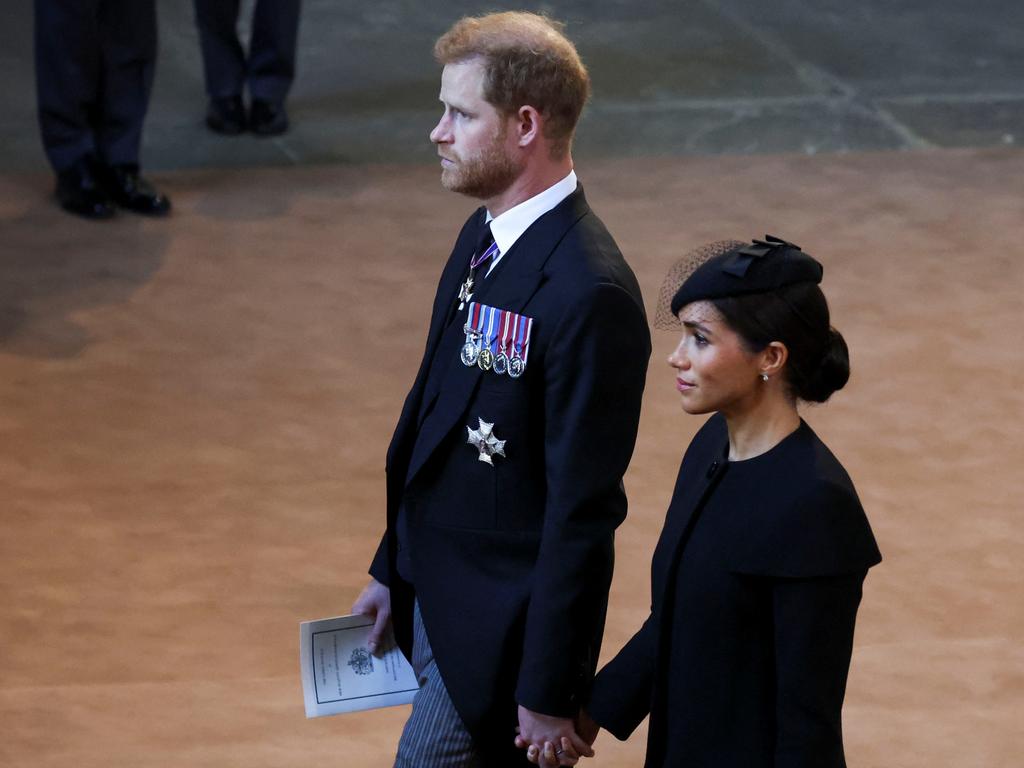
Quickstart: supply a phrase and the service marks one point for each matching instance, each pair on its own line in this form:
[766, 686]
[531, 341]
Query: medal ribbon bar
[496, 339]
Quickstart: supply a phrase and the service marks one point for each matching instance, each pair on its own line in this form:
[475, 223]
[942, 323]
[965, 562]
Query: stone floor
[195, 413]
[697, 77]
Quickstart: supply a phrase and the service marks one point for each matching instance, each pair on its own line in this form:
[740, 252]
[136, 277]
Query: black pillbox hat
[763, 266]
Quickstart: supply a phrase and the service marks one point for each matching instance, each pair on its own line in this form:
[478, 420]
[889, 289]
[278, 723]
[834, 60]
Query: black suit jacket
[512, 563]
[756, 581]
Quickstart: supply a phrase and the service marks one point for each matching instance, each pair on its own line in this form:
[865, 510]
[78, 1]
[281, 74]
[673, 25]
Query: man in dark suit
[504, 475]
[268, 67]
[94, 72]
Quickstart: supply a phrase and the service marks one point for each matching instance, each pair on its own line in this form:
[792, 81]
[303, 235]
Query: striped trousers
[434, 735]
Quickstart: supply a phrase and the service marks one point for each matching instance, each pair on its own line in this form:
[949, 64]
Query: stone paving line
[712, 77]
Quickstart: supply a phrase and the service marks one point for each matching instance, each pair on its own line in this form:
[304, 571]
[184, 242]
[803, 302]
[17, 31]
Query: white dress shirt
[509, 226]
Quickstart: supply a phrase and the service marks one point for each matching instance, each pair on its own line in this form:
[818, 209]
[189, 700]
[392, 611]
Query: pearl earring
[764, 377]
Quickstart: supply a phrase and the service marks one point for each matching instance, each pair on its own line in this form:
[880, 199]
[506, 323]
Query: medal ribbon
[522, 344]
[479, 259]
[473, 319]
[499, 330]
[503, 331]
[515, 333]
[490, 335]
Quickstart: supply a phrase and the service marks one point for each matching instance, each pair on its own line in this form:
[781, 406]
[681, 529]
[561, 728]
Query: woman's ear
[773, 358]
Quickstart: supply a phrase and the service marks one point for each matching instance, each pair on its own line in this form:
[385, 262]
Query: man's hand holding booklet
[340, 674]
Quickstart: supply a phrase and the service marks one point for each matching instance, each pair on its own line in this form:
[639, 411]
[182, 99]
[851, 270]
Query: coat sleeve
[814, 620]
[622, 692]
[595, 370]
[379, 566]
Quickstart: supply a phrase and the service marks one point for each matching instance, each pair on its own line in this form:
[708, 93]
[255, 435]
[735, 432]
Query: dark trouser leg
[67, 53]
[275, 31]
[223, 58]
[128, 31]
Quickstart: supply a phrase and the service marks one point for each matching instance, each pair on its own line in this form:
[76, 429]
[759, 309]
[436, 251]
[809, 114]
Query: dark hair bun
[798, 316]
[831, 372]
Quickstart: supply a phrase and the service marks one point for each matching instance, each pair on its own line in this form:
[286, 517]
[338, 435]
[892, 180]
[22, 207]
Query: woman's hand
[551, 751]
[586, 727]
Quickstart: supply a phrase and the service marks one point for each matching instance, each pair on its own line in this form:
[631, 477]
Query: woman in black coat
[757, 575]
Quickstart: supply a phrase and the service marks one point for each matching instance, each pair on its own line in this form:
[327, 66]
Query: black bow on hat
[739, 262]
[764, 265]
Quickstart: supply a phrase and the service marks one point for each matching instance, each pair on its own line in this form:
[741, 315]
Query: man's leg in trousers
[272, 49]
[223, 57]
[128, 30]
[67, 54]
[434, 735]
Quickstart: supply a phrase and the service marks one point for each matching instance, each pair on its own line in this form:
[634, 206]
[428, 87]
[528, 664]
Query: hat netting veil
[678, 273]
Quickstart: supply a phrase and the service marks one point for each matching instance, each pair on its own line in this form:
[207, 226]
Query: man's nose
[440, 132]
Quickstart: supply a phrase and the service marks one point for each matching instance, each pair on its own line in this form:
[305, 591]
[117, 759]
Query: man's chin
[454, 183]
[450, 180]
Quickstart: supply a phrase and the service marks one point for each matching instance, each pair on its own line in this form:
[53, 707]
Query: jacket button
[712, 469]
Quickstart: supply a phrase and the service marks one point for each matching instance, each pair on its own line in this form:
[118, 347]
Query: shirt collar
[509, 226]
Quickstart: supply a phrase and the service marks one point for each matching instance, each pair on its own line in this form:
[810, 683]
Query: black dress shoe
[130, 191]
[226, 116]
[79, 191]
[267, 118]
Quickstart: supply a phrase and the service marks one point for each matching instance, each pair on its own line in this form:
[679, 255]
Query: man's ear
[529, 124]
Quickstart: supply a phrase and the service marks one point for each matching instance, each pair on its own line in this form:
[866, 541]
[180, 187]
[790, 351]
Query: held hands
[375, 601]
[586, 727]
[555, 741]
[549, 741]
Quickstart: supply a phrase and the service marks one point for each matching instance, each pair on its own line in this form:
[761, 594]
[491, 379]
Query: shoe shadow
[55, 266]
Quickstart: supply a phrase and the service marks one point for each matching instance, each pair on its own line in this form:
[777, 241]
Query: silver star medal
[484, 440]
[465, 291]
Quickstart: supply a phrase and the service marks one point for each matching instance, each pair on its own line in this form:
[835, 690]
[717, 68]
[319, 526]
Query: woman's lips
[684, 386]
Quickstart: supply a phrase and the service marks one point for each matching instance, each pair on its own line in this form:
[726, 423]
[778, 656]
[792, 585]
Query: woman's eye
[700, 340]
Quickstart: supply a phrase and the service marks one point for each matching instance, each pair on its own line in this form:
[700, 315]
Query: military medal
[471, 349]
[484, 440]
[500, 365]
[520, 345]
[496, 340]
[486, 357]
[466, 290]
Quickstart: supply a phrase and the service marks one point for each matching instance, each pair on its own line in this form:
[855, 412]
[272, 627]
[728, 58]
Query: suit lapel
[511, 286]
[447, 292]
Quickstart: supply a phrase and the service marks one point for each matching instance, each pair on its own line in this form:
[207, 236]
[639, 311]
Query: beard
[484, 176]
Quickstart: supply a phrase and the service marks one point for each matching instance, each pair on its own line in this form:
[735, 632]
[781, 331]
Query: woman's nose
[678, 358]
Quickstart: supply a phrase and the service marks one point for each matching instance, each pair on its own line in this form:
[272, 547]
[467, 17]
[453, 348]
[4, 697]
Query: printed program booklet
[339, 674]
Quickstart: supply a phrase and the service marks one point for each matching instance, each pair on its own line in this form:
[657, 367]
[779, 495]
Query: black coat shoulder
[796, 514]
